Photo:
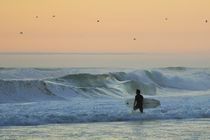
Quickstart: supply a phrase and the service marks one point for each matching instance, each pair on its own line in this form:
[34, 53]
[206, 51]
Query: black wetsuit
[139, 102]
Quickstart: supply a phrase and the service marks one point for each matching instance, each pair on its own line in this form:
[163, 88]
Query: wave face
[24, 91]
[53, 84]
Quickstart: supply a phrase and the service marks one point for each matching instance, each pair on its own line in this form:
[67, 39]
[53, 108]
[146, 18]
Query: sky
[158, 26]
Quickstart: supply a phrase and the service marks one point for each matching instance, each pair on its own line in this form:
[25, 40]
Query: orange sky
[75, 28]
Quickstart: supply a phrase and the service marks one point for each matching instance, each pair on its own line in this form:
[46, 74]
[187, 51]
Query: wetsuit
[139, 102]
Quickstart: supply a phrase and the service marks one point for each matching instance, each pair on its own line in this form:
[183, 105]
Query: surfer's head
[138, 91]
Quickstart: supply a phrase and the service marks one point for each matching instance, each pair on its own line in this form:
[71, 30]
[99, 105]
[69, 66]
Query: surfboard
[148, 103]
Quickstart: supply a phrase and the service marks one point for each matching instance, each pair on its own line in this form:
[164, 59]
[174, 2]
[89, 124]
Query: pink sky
[75, 28]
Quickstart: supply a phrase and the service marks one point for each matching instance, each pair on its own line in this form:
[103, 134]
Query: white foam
[97, 110]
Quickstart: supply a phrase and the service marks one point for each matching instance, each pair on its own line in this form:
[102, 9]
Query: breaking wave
[108, 85]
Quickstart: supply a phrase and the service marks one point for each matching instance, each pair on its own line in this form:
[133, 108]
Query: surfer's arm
[134, 103]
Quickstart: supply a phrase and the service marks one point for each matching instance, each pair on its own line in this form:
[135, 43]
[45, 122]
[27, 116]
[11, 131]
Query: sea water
[89, 103]
[190, 129]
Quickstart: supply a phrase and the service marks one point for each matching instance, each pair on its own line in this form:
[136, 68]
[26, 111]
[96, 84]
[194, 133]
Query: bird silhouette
[21, 33]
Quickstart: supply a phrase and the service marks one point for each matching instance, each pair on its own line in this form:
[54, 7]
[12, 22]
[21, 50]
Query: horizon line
[81, 53]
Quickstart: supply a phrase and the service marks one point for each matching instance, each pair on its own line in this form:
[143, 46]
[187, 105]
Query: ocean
[90, 103]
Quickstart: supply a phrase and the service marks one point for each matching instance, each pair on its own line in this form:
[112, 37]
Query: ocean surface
[71, 103]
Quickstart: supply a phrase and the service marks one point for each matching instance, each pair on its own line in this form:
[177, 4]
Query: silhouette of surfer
[138, 102]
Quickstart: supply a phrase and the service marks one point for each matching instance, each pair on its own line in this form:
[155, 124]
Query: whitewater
[36, 96]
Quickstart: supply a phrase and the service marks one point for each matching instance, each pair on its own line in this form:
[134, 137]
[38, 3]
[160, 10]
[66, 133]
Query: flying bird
[98, 20]
[206, 20]
[36, 16]
[134, 38]
[21, 33]
[53, 16]
[166, 18]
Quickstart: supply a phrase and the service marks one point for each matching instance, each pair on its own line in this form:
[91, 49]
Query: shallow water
[191, 129]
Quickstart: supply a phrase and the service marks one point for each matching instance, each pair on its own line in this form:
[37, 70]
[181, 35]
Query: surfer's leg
[141, 109]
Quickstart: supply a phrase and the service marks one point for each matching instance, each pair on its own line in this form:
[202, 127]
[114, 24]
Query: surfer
[138, 102]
